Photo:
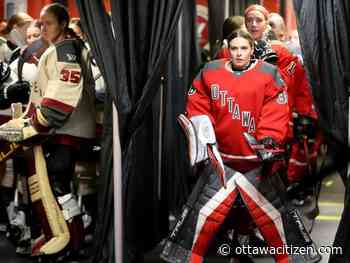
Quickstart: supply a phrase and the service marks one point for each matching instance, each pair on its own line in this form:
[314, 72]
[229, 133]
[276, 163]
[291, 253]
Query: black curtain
[183, 63]
[132, 57]
[325, 40]
[324, 36]
[216, 18]
[97, 25]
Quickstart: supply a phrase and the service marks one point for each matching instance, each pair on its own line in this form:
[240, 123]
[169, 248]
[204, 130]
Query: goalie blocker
[201, 141]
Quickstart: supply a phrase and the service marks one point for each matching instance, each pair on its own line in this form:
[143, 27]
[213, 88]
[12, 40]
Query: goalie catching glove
[201, 140]
[24, 128]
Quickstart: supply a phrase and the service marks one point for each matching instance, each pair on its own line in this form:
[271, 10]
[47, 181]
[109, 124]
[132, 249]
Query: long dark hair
[231, 24]
[61, 13]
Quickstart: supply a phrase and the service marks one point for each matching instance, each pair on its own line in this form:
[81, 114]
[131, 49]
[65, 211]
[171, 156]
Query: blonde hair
[259, 8]
[17, 20]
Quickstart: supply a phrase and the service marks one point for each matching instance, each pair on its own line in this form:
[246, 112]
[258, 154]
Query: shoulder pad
[215, 64]
[69, 51]
[272, 70]
[268, 68]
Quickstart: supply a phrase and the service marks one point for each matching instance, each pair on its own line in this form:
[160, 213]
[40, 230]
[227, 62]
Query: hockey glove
[17, 130]
[24, 128]
[304, 127]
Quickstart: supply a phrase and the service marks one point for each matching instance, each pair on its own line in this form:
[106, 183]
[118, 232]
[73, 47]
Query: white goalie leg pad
[70, 207]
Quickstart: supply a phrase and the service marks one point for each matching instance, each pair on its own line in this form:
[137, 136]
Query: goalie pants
[60, 162]
[210, 203]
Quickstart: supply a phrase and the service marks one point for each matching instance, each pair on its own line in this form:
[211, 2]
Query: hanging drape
[134, 48]
[216, 18]
[182, 65]
[97, 25]
[325, 40]
[324, 35]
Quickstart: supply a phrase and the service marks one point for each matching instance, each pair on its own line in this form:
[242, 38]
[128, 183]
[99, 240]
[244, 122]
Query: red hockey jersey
[253, 101]
[294, 75]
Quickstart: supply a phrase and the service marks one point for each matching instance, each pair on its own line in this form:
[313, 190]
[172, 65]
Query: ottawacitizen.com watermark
[226, 250]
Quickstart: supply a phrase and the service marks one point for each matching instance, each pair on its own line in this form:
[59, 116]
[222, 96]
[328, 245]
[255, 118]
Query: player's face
[241, 52]
[33, 33]
[51, 30]
[280, 34]
[256, 24]
[294, 36]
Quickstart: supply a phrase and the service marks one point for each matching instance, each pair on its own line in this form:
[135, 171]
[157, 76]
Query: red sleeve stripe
[50, 103]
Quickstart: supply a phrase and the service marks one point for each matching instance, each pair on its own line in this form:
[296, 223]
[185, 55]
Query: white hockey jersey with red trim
[64, 96]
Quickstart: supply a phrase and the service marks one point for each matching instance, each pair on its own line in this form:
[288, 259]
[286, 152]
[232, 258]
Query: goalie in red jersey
[236, 125]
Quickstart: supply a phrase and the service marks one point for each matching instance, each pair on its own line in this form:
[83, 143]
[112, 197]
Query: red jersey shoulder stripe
[50, 103]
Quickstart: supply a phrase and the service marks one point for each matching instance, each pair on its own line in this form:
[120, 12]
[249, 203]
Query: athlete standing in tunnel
[62, 99]
[229, 99]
